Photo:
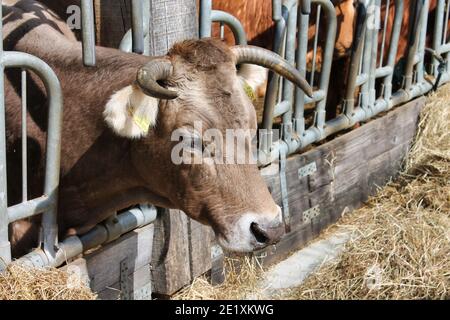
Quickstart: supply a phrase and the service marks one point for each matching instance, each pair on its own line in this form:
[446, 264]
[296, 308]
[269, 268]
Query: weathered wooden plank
[170, 261]
[385, 166]
[102, 266]
[200, 240]
[140, 285]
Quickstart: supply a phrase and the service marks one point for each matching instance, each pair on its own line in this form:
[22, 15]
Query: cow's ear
[254, 77]
[130, 113]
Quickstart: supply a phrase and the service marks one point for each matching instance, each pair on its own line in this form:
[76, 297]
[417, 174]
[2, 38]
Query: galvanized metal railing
[46, 204]
[370, 72]
[208, 16]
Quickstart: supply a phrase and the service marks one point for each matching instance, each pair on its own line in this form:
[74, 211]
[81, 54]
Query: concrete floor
[293, 271]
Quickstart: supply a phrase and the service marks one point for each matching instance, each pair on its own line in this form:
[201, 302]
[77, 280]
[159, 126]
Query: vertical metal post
[383, 39]
[137, 26]
[5, 247]
[88, 32]
[273, 83]
[327, 58]
[357, 54]
[375, 26]
[413, 45]
[205, 18]
[146, 26]
[422, 38]
[438, 30]
[393, 47]
[303, 24]
[316, 41]
[288, 87]
[24, 137]
[367, 57]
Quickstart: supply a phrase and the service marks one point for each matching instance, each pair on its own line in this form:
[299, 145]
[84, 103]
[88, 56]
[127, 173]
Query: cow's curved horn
[272, 61]
[148, 76]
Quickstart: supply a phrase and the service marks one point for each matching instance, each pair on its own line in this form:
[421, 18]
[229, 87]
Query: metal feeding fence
[369, 91]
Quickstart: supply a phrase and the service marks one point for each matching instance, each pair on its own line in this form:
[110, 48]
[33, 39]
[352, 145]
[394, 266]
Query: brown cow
[117, 143]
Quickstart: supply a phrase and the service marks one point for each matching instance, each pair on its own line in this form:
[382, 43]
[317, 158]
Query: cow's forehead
[202, 54]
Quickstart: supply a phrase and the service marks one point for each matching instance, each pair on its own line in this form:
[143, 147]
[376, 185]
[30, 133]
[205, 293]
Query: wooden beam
[103, 266]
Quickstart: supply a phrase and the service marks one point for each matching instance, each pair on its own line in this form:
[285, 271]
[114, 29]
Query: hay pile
[241, 282]
[400, 247]
[400, 244]
[23, 283]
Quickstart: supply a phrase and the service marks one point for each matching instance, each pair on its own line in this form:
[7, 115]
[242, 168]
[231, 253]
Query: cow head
[184, 97]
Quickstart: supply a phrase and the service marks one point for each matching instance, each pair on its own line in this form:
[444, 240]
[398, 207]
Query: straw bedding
[19, 282]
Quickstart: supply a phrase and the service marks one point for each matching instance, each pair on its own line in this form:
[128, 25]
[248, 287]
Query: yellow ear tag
[249, 91]
[142, 122]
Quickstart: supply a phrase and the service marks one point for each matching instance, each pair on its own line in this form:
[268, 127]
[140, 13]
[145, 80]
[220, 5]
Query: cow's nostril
[260, 234]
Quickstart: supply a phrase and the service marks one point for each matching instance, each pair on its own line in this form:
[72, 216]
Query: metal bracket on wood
[307, 170]
[310, 214]
[217, 265]
[216, 251]
[125, 293]
[284, 191]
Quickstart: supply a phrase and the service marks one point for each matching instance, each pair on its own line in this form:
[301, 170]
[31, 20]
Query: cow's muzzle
[266, 235]
[253, 231]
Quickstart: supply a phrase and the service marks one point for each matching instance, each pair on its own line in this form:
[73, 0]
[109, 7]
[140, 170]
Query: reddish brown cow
[112, 159]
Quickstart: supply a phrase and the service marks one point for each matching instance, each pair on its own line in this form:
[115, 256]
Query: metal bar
[281, 108]
[374, 55]
[316, 40]
[357, 53]
[447, 12]
[101, 234]
[5, 247]
[383, 72]
[273, 78]
[288, 87]
[367, 58]
[29, 208]
[137, 26]
[422, 38]
[49, 229]
[438, 31]
[276, 10]
[383, 41]
[302, 50]
[205, 18]
[413, 45]
[126, 44]
[88, 32]
[234, 24]
[222, 30]
[445, 48]
[327, 58]
[393, 47]
[24, 137]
